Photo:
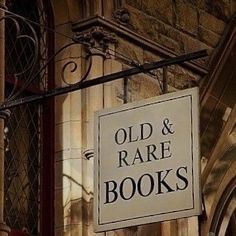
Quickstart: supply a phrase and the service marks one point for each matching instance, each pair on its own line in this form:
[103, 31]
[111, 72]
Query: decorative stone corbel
[122, 16]
[96, 38]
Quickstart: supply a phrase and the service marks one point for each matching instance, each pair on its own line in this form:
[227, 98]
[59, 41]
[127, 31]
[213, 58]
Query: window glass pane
[25, 55]
[23, 140]
[22, 172]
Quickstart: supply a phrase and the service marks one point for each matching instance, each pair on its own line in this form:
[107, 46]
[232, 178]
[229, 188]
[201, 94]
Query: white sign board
[147, 161]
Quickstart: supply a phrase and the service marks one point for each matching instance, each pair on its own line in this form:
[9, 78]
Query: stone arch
[218, 143]
[219, 188]
[224, 208]
[217, 91]
[226, 177]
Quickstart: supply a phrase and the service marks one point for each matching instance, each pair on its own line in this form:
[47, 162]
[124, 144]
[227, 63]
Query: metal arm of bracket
[107, 78]
[96, 36]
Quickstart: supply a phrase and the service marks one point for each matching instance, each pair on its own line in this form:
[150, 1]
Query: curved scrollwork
[29, 73]
[24, 34]
[34, 41]
[27, 68]
[74, 68]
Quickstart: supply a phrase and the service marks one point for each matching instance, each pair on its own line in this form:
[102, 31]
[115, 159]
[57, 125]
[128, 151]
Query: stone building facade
[122, 34]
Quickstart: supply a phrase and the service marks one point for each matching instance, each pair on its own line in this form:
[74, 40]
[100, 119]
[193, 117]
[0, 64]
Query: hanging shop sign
[147, 166]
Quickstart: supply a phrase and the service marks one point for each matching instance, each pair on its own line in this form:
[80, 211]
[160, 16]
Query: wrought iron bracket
[104, 79]
[96, 37]
[4, 114]
[94, 41]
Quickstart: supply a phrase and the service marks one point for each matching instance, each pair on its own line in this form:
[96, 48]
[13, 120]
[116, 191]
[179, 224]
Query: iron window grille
[24, 126]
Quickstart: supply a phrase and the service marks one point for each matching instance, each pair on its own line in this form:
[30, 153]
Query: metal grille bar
[106, 78]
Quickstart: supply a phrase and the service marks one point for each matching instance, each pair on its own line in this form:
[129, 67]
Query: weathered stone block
[139, 22]
[62, 16]
[186, 17]
[129, 50]
[135, 3]
[142, 86]
[181, 78]
[192, 44]
[169, 43]
[149, 229]
[161, 9]
[221, 9]
[208, 37]
[171, 32]
[155, 30]
[212, 23]
[62, 142]
[150, 57]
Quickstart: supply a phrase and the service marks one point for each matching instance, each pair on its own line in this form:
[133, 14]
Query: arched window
[29, 153]
[223, 222]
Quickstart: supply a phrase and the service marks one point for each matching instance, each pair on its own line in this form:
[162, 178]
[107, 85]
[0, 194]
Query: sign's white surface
[147, 161]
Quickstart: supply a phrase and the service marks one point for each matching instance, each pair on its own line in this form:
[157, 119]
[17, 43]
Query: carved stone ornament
[96, 37]
[122, 16]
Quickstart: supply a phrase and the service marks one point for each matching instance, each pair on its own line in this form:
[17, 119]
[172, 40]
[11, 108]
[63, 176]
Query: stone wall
[180, 25]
